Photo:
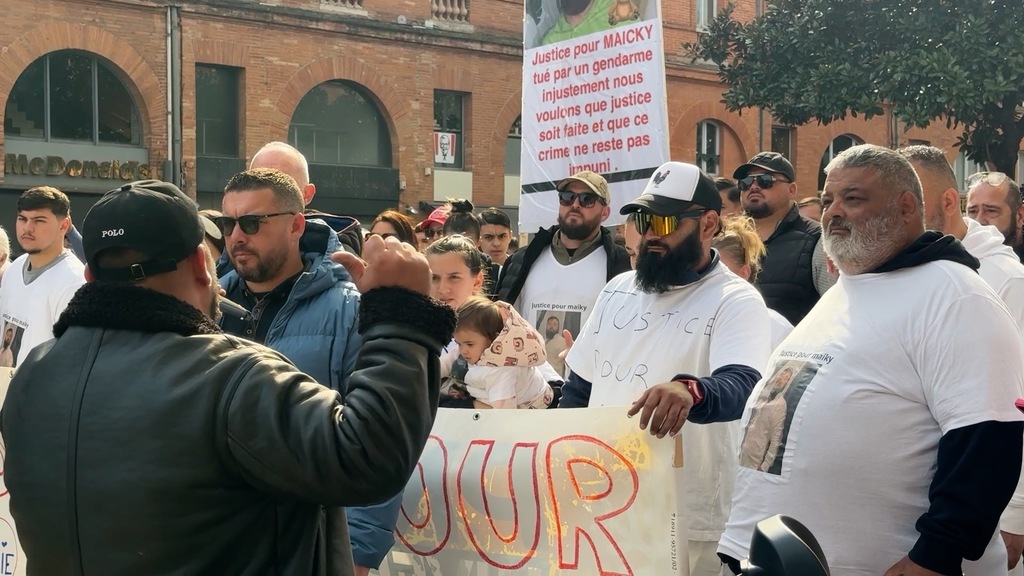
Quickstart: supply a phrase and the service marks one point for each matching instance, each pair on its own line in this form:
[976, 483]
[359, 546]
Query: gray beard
[866, 247]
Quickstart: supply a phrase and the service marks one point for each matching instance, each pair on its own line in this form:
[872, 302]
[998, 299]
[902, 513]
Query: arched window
[514, 147]
[708, 147]
[72, 96]
[337, 123]
[835, 147]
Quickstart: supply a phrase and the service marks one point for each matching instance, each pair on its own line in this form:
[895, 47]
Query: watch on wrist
[693, 387]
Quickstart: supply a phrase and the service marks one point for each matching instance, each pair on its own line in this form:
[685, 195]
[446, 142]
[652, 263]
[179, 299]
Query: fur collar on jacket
[134, 308]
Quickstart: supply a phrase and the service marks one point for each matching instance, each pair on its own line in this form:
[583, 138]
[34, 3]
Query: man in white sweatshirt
[1000, 269]
[38, 285]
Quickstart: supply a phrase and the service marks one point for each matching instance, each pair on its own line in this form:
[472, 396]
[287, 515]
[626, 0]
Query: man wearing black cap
[681, 339]
[794, 273]
[142, 440]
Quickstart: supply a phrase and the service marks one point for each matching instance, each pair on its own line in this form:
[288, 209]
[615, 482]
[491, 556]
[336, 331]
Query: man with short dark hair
[564, 267]
[38, 285]
[793, 273]
[142, 431]
[495, 235]
[999, 266]
[730, 193]
[900, 443]
[302, 305]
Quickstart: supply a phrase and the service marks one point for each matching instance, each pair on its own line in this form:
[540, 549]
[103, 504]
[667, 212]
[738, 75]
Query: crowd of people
[256, 383]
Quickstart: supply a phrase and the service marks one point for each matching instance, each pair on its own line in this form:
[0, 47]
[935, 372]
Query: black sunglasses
[764, 181]
[663, 225]
[250, 223]
[429, 233]
[587, 199]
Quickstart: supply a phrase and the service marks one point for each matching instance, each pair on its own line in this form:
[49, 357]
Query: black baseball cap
[770, 161]
[674, 188]
[151, 217]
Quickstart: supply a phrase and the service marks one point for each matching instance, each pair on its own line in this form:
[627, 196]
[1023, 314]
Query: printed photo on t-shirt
[550, 324]
[12, 334]
[764, 439]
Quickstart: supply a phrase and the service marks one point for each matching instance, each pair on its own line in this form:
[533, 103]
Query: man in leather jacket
[143, 440]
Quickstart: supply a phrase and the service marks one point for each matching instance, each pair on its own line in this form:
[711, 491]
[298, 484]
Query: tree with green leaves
[958, 61]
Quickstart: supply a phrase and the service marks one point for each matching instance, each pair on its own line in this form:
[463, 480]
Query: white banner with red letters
[593, 99]
[541, 492]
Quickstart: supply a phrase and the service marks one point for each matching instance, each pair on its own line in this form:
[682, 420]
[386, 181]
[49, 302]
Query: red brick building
[99, 92]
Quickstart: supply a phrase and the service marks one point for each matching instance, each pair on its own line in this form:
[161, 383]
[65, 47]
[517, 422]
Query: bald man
[286, 158]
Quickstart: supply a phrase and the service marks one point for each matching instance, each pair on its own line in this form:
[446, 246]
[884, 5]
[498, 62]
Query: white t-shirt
[1000, 266]
[780, 328]
[526, 384]
[635, 340]
[30, 310]
[871, 379]
[1004, 273]
[565, 293]
[535, 384]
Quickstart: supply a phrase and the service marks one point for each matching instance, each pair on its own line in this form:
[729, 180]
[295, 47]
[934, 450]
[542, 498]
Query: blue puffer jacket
[316, 330]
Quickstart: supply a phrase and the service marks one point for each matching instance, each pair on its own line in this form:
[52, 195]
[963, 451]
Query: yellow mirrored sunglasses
[662, 225]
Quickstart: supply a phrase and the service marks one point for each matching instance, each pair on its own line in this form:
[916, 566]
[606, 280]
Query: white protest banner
[11, 555]
[593, 99]
[541, 492]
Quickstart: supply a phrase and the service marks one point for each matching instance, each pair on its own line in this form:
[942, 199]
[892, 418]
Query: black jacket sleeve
[575, 392]
[975, 475]
[618, 258]
[725, 393]
[288, 434]
[506, 289]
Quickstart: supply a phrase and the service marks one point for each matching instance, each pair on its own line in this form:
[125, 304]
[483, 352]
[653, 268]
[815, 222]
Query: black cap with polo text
[151, 217]
[770, 161]
[674, 188]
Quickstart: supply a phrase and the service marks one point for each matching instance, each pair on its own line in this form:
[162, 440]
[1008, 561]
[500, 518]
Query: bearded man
[994, 199]
[681, 338]
[564, 267]
[901, 445]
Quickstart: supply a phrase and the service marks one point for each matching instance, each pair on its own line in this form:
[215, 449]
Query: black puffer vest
[786, 280]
